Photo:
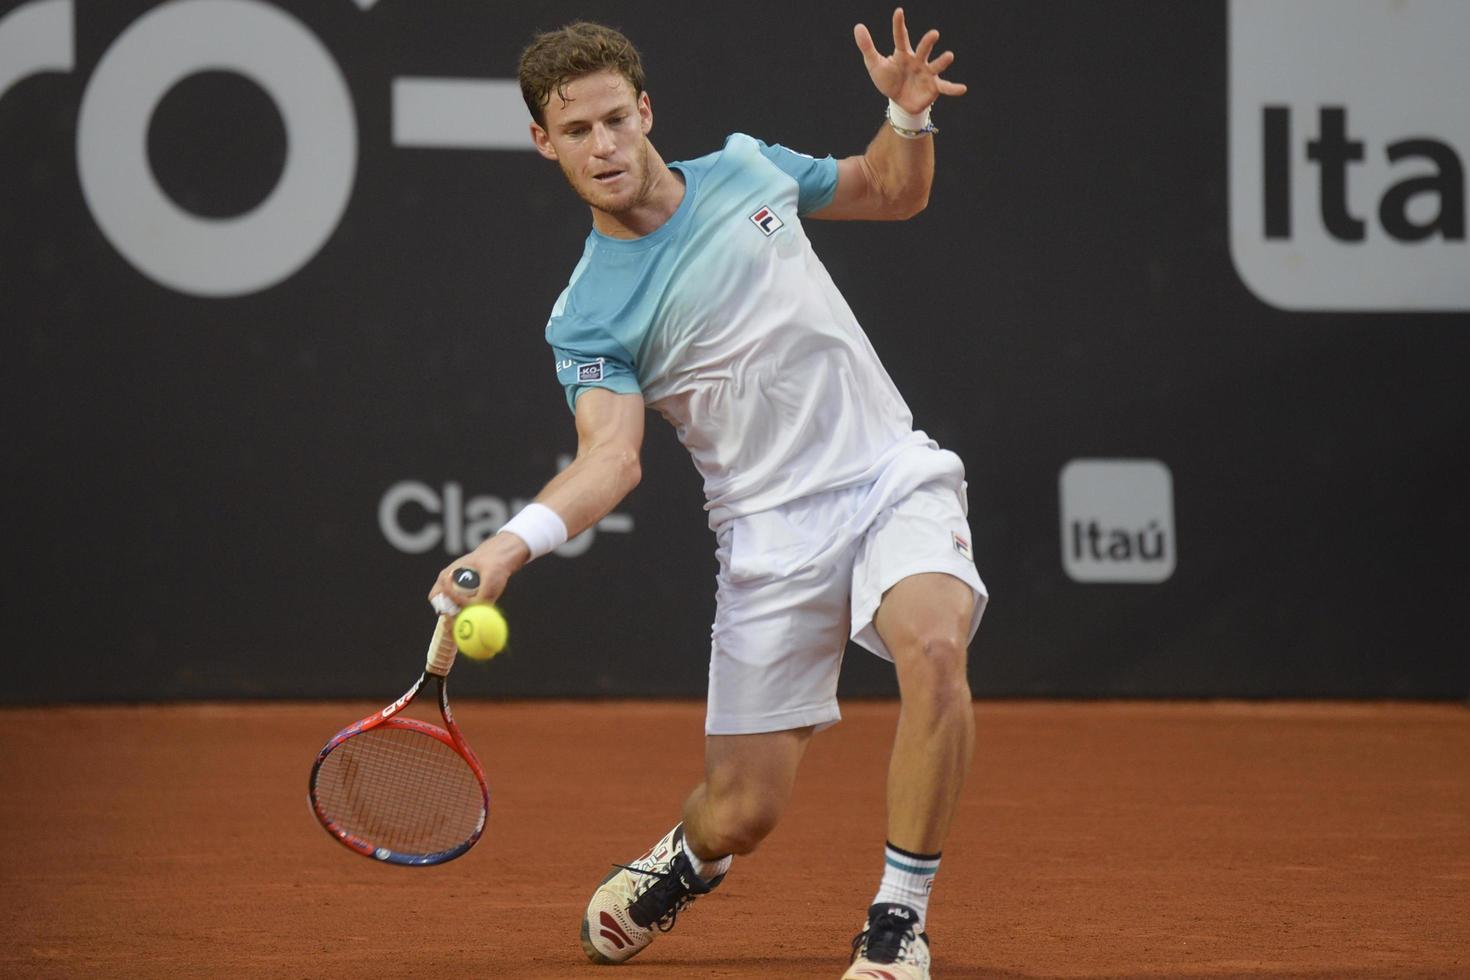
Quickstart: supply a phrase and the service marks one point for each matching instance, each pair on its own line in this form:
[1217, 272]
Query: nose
[602, 141]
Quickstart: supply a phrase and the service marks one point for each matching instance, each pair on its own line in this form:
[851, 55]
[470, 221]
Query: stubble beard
[645, 187]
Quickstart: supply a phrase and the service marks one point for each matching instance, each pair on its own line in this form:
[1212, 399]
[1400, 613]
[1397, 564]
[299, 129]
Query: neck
[665, 193]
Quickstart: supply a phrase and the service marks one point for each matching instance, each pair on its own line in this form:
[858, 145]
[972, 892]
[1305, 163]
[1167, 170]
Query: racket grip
[441, 648]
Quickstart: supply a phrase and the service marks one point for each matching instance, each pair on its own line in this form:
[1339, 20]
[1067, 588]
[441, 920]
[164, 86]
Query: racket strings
[401, 789]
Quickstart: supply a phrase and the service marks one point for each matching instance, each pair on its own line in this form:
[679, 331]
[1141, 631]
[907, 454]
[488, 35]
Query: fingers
[907, 66]
[923, 51]
[946, 87]
[926, 44]
[901, 44]
[900, 33]
[865, 45]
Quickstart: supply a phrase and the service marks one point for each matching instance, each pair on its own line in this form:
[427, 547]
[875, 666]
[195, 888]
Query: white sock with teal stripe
[908, 878]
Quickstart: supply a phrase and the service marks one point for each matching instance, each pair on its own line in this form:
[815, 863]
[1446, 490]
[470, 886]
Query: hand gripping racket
[399, 789]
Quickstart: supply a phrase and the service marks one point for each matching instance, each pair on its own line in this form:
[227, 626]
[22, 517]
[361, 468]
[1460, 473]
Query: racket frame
[388, 718]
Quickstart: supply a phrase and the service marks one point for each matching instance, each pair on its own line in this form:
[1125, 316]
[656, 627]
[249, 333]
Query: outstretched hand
[907, 76]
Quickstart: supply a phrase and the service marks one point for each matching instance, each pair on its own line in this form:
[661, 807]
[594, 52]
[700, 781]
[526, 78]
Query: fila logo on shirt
[765, 219]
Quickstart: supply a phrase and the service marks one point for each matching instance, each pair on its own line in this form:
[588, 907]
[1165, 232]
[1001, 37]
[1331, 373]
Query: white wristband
[538, 526]
[907, 124]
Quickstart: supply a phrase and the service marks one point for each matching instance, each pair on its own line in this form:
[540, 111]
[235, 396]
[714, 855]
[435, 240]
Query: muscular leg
[747, 784]
[924, 621]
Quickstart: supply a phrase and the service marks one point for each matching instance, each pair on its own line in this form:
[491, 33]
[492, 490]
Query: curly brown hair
[554, 58]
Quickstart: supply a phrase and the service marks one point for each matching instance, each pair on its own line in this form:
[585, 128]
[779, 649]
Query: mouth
[608, 176]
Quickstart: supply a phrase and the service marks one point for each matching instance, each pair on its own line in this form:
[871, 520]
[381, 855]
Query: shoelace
[886, 940]
[668, 890]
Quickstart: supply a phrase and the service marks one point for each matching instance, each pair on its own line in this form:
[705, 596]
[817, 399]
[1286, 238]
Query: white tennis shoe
[888, 948]
[638, 901]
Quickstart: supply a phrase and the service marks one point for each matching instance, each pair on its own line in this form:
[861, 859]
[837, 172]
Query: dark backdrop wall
[273, 299]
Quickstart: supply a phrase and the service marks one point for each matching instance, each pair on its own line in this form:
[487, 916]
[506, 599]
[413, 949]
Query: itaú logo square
[1117, 520]
[1349, 136]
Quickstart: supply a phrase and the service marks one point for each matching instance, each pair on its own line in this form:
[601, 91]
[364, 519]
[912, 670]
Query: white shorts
[796, 582]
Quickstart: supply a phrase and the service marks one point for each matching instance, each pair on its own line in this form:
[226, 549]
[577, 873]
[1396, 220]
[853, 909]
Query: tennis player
[698, 295]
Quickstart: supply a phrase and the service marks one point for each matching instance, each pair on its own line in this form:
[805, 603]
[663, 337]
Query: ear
[542, 140]
[645, 112]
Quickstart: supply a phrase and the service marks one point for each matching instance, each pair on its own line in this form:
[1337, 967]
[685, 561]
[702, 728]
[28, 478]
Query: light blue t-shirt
[730, 327]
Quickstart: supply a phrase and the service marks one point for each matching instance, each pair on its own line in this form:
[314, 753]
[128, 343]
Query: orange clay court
[1203, 839]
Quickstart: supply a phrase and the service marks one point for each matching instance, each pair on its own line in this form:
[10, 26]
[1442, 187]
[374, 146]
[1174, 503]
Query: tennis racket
[402, 790]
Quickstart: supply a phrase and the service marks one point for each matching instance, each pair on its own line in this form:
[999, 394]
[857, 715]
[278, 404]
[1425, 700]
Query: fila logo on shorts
[765, 219]
[962, 546]
[590, 372]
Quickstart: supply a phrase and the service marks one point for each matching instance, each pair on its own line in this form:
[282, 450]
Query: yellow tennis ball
[480, 631]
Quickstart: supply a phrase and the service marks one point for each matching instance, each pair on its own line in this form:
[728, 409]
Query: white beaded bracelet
[540, 527]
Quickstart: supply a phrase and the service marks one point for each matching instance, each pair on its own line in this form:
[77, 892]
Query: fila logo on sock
[765, 219]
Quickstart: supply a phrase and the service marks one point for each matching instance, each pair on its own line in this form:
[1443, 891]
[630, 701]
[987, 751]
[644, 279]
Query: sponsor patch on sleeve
[590, 372]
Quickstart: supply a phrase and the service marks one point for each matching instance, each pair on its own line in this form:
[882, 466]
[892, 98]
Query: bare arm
[609, 440]
[891, 180]
[607, 468]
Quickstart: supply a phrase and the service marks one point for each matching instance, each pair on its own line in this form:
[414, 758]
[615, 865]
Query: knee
[933, 671]
[739, 822]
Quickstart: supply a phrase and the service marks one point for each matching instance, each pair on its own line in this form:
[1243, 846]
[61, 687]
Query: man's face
[598, 135]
